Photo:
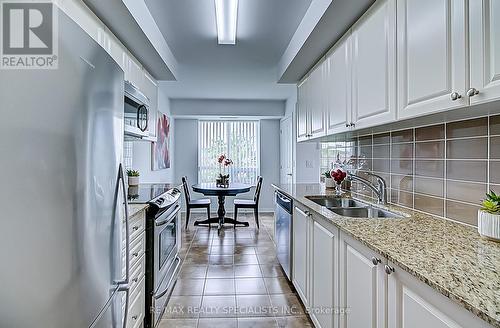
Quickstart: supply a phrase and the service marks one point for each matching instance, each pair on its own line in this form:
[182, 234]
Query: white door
[300, 253]
[324, 276]
[374, 65]
[413, 304]
[302, 115]
[484, 39]
[362, 285]
[318, 101]
[431, 56]
[338, 87]
[286, 149]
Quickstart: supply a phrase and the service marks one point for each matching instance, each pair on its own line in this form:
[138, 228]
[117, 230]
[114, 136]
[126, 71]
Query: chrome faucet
[380, 189]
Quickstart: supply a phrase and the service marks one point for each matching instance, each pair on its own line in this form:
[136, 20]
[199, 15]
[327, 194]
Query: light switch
[309, 164]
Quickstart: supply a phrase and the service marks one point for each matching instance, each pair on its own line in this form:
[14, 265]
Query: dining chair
[250, 203]
[193, 203]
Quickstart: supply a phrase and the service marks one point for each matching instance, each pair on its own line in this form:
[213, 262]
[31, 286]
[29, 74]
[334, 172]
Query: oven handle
[167, 288]
[167, 220]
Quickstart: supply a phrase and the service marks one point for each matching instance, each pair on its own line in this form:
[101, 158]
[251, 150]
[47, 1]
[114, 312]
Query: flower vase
[329, 183]
[338, 189]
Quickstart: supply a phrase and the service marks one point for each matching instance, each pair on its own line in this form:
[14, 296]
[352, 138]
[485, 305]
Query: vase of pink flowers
[223, 177]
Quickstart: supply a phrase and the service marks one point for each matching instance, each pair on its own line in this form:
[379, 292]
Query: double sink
[352, 208]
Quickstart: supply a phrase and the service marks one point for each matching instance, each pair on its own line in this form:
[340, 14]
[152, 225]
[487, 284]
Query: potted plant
[133, 177]
[223, 178]
[329, 184]
[488, 217]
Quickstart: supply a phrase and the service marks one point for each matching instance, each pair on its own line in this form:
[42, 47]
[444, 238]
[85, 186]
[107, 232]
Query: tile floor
[232, 280]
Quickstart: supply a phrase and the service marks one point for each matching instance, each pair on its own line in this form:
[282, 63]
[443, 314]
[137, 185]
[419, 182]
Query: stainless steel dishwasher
[283, 231]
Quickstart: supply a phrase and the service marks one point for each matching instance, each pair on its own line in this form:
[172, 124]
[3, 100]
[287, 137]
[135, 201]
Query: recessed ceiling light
[226, 12]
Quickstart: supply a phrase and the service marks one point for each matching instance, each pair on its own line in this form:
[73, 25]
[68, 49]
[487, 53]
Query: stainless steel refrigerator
[62, 206]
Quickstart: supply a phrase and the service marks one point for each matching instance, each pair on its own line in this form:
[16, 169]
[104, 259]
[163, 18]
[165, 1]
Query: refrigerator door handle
[126, 289]
[121, 178]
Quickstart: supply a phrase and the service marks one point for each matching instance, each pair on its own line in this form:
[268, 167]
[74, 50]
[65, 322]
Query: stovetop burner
[144, 193]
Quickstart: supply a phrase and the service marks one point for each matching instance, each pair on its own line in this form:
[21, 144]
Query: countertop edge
[429, 282]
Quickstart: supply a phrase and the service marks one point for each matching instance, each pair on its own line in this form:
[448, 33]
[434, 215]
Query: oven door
[165, 243]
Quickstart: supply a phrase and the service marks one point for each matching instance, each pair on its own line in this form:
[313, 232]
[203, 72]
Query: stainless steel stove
[163, 241]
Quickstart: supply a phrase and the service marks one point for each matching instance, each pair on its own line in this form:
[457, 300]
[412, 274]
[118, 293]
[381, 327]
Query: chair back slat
[186, 189]
[257, 190]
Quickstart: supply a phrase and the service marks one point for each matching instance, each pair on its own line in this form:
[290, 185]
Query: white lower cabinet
[324, 276]
[300, 266]
[413, 304]
[333, 271]
[362, 285]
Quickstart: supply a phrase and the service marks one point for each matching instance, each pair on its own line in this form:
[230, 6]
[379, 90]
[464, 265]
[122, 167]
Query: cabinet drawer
[137, 225]
[136, 306]
[137, 249]
[136, 273]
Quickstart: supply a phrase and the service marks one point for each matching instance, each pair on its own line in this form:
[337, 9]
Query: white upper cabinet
[338, 87]
[374, 65]
[151, 91]
[83, 16]
[484, 39]
[301, 111]
[432, 61]
[318, 101]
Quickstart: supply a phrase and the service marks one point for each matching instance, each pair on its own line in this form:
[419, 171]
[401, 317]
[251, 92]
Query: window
[238, 140]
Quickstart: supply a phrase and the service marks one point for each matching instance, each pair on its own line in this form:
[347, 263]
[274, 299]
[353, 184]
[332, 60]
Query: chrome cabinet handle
[347, 125]
[352, 124]
[135, 254]
[388, 269]
[472, 92]
[376, 261]
[135, 317]
[135, 279]
[455, 95]
[135, 228]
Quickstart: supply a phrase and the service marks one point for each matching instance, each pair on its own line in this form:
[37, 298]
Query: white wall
[142, 151]
[186, 159]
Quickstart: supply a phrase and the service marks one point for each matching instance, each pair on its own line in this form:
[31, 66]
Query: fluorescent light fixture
[226, 12]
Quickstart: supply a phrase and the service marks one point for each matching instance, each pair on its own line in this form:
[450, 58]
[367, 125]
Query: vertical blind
[238, 140]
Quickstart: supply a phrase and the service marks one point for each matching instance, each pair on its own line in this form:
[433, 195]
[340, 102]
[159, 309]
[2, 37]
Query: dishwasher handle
[284, 202]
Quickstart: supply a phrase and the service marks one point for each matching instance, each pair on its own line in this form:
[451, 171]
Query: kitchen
[236, 163]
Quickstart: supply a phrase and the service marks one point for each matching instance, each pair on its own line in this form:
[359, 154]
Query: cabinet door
[300, 253]
[484, 38]
[412, 303]
[318, 100]
[324, 276]
[374, 65]
[362, 285]
[151, 91]
[338, 87]
[431, 56]
[302, 112]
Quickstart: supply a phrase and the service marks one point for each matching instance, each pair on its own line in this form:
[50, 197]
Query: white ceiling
[264, 30]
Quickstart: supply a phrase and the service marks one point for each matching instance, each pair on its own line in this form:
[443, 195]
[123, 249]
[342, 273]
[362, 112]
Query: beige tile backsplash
[444, 169]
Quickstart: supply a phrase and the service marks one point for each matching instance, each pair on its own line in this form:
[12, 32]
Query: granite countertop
[133, 209]
[450, 257]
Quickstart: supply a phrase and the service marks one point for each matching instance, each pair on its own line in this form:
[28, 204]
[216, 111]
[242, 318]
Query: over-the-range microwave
[136, 113]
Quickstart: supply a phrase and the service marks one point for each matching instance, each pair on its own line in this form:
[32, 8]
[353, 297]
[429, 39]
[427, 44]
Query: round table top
[211, 189]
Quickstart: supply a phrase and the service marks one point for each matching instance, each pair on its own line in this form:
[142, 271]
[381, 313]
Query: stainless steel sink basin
[363, 212]
[335, 201]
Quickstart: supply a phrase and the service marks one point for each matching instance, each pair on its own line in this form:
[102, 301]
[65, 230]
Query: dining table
[211, 189]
